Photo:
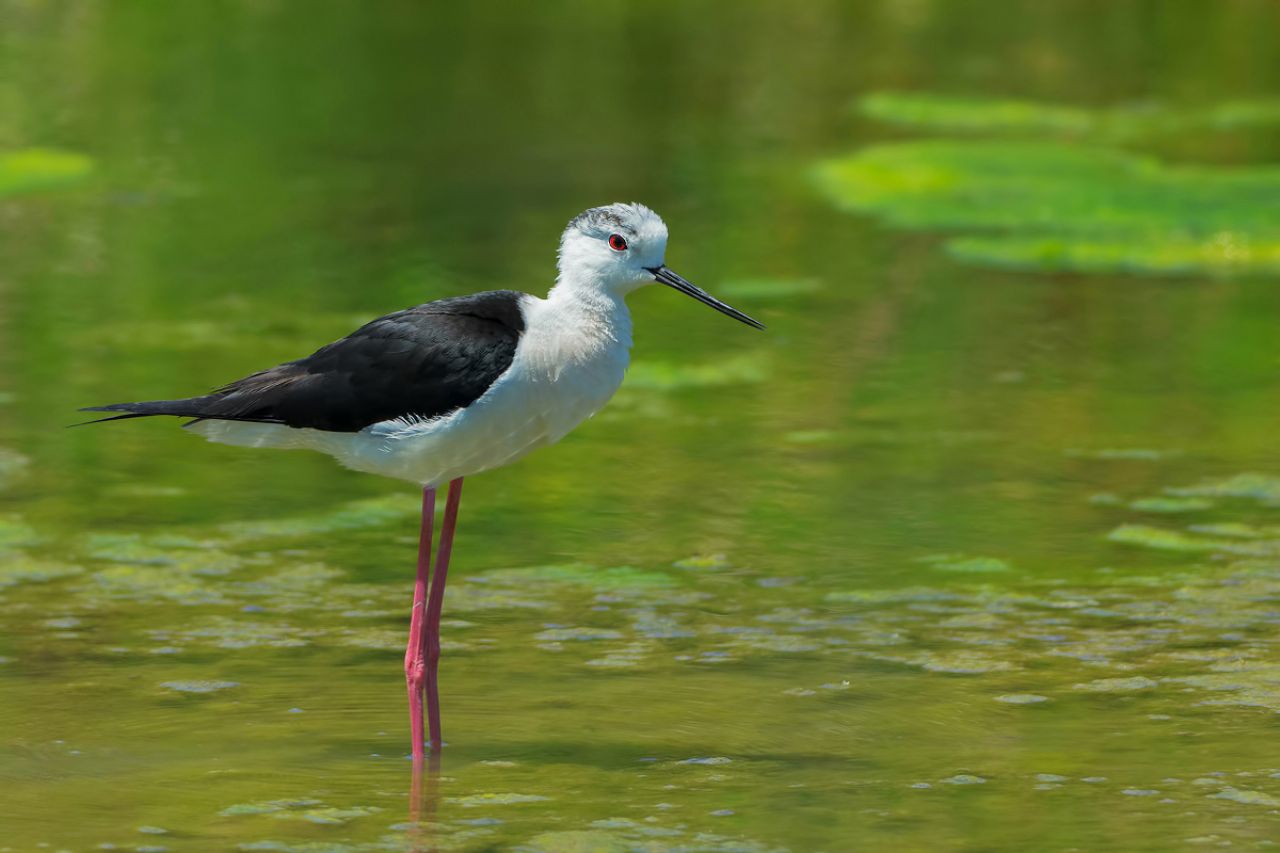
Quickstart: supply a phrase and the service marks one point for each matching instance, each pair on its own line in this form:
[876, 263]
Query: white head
[619, 247]
[613, 246]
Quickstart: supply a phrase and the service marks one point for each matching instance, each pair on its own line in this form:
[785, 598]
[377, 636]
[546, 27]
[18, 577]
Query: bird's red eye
[617, 243]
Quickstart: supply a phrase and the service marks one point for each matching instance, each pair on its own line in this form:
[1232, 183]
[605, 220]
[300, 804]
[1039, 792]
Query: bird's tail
[192, 407]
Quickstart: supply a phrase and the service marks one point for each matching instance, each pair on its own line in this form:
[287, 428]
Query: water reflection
[424, 803]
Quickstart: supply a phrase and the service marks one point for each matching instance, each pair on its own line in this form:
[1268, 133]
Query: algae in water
[1049, 190]
[33, 169]
[1041, 205]
[928, 111]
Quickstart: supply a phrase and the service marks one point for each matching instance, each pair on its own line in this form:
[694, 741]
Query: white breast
[568, 363]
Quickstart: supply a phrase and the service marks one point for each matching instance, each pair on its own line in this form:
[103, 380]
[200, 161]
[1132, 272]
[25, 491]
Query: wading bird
[451, 388]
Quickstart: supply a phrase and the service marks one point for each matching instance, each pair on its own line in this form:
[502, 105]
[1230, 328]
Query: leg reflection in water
[424, 798]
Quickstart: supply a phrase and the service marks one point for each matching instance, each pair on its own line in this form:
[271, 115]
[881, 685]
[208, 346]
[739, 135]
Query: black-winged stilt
[451, 388]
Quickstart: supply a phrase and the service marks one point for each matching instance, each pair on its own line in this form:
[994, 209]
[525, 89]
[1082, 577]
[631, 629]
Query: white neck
[590, 309]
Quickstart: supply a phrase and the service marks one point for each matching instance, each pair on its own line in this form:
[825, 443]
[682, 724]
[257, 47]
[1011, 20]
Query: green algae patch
[703, 563]
[768, 641]
[1051, 206]
[300, 582]
[330, 815]
[380, 639]
[151, 583]
[950, 662]
[934, 112]
[268, 807]
[965, 564]
[476, 595]
[961, 663]
[963, 779]
[1249, 798]
[199, 686]
[1171, 504]
[873, 597]
[1221, 253]
[478, 800]
[578, 841]
[1021, 698]
[126, 548]
[626, 657]
[1235, 530]
[33, 169]
[18, 568]
[227, 633]
[1264, 488]
[1117, 685]
[16, 533]
[1244, 683]
[1163, 539]
[305, 809]
[926, 111]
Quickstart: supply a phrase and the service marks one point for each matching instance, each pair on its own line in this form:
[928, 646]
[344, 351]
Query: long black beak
[670, 279]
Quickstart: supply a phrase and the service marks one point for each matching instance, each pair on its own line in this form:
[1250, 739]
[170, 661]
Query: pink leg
[435, 602]
[415, 668]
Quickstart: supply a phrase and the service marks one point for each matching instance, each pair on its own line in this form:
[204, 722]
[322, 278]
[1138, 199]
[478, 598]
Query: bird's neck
[585, 308]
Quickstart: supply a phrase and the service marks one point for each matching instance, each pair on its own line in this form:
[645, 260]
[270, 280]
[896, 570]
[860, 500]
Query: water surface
[957, 555]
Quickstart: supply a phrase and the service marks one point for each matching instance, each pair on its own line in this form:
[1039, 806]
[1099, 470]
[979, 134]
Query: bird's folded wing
[419, 363]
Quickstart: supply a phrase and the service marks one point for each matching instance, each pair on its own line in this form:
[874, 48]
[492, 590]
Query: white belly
[558, 378]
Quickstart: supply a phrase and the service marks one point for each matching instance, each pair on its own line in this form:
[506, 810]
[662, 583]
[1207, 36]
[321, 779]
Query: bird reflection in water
[424, 801]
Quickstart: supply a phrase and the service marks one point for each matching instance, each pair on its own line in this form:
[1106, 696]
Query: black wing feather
[422, 362]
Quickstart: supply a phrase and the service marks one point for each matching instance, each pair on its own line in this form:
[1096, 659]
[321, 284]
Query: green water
[970, 551]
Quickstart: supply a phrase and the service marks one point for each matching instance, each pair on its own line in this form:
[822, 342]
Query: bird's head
[620, 247]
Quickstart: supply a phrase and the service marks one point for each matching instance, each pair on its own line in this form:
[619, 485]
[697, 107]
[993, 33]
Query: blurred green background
[977, 547]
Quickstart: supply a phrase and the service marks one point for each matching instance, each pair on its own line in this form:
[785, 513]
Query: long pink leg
[435, 603]
[414, 664]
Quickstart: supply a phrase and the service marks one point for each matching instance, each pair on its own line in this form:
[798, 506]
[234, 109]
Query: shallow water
[960, 554]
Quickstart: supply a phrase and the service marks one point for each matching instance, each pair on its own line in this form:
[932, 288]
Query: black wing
[418, 363]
